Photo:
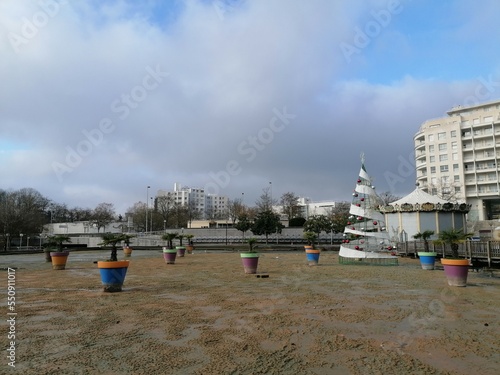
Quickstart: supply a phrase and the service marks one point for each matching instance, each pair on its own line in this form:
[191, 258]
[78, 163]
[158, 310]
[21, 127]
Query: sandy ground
[203, 315]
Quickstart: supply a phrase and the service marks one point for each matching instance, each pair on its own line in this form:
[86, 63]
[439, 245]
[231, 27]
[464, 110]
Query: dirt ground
[203, 315]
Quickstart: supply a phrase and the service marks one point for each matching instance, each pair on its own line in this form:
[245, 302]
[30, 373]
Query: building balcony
[483, 145]
[419, 146]
[480, 135]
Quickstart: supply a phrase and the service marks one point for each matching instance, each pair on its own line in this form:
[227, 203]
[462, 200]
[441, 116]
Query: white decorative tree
[365, 237]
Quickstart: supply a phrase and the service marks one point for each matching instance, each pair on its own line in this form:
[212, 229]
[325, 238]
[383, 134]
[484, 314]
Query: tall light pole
[21, 244]
[147, 204]
[152, 206]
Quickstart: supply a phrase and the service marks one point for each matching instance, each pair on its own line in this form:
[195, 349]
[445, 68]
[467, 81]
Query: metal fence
[480, 250]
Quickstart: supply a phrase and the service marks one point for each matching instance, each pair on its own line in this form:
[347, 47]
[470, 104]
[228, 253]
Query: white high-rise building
[457, 158]
[208, 205]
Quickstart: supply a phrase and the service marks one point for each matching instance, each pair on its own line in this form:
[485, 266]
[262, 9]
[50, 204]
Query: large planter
[427, 259]
[456, 271]
[312, 256]
[181, 250]
[113, 274]
[250, 262]
[127, 251]
[189, 249]
[169, 255]
[59, 259]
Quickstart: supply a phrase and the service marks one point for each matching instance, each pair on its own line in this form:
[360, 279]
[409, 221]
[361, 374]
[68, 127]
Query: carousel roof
[419, 200]
[419, 196]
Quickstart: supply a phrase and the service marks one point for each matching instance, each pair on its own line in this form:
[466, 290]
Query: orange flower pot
[59, 259]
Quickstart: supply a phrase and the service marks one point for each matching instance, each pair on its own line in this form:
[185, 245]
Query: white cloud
[227, 77]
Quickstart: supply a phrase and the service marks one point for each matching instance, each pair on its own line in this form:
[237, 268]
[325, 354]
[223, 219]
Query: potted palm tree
[181, 250]
[169, 253]
[455, 268]
[113, 271]
[127, 250]
[427, 258]
[190, 245]
[59, 257]
[250, 258]
[312, 254]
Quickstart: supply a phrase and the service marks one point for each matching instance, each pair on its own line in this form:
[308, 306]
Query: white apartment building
[209, 205]
[309, 208]
[457, 158]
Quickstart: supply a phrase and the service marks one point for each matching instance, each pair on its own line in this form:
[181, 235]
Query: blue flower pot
[427, 260]
[113, 274]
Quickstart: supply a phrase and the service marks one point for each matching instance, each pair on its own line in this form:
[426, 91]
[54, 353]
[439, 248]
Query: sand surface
[203, 315]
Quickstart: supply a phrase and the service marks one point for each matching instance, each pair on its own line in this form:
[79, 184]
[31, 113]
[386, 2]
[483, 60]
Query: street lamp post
[27, 242]
[41, 240]
[152, 210]
[147, 205]
[164, 225]
[21, 244]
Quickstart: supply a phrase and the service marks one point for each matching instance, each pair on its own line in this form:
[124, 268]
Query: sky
[101, 99]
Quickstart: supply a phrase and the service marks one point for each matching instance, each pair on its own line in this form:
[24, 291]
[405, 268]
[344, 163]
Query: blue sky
[101, 99]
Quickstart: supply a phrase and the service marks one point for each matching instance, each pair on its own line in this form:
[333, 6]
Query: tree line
[26, 211]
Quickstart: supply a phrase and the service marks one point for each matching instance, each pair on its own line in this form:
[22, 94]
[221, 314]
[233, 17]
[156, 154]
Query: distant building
[208, 205]
[457, 157]
[84, 227]
[309, 208]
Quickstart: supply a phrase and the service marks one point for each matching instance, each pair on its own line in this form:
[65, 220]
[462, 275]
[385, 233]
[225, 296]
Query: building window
[431, 148]
[454, 156]
[441, 136]
[457, 189]
[432, 159]
[442, 147]
[431, 137]
[443, 157]
[453, 134]
[443, 168]
[454, 145]
[456, 178]
[455, 168]
[433, 169]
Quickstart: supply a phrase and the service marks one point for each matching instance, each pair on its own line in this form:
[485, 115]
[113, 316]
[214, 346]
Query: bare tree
[265, 201]
[102, 215]
[387, 197]
[165, 206]
[290, 205]
[138, 214]
[236, 208]
[22, 211]
[449, 191]
[192, 212]
[339, 216]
